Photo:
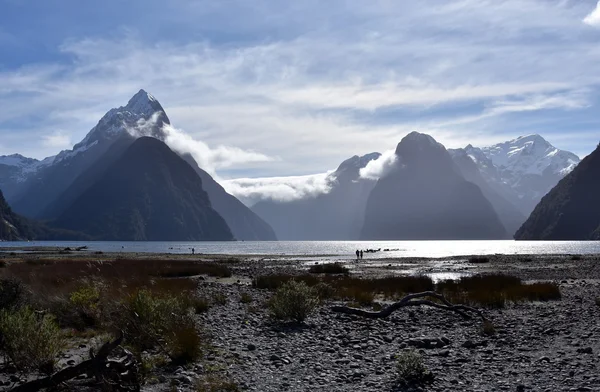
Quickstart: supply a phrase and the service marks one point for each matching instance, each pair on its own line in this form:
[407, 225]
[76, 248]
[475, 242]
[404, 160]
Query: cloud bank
[283, 189]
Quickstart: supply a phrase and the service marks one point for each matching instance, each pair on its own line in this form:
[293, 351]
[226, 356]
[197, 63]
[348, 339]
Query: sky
[303, 85]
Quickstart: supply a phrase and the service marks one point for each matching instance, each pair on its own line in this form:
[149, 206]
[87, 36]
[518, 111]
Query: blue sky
[305, 84]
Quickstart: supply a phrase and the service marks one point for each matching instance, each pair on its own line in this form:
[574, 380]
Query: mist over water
[333, 249]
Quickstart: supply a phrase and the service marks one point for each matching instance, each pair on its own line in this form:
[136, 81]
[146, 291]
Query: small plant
[199, 304]
[488, 328]
[30, 341]
[294, 301]
[246, 298]
[184, 343]
[411, 369]
[220, 298]
[329, 268]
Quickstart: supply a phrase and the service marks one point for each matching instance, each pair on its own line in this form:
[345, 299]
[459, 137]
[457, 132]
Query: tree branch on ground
[416, 299]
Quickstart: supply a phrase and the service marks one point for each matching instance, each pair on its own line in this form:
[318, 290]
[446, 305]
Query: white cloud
[379, 167]
[347, 81]
[278, 188]
[211, 159]
[57, 140]
[593, 18]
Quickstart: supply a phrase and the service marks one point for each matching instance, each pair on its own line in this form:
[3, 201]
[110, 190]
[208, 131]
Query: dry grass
[329, 268]
[495, 290]
[492, 291]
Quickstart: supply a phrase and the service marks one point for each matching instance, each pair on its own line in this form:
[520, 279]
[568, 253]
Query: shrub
[30, 341]
[184, 343]
[199, 304]
[245, 298]
[150, 320]
[488, 328]
[479, 260]
[12, 293]
[411, 369]
[324, 291]
[294, 301]
[329, 268]
[220, 298]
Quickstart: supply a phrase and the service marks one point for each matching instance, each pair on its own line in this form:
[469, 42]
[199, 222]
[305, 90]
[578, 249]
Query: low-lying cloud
[283, 189]
[379, 167]
[208, 158]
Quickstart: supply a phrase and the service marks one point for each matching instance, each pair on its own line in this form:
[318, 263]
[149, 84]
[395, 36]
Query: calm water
[337, 249]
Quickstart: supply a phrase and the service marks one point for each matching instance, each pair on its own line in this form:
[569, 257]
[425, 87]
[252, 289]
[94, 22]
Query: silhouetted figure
[357, 254]
[193, 251]
[361, 254]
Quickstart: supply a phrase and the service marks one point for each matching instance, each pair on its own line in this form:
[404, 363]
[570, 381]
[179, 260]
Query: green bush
[246, 298]
[29, 340]
[12, 293]
[411, 369]
[150, 320]
[293, 301]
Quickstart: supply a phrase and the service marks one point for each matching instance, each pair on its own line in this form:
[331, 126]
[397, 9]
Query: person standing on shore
[357, 254]
[361, 254]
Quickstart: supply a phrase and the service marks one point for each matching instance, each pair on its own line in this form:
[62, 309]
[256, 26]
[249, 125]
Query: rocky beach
[527, 345]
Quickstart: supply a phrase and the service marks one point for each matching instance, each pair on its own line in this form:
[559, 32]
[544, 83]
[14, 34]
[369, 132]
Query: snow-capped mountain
[33, 185]
[524, 169]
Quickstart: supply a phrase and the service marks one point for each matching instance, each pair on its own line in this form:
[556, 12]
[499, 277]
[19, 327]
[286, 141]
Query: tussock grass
[410, 368]
[293, 301]
[495, 290]
[329, 268]
[492, 291]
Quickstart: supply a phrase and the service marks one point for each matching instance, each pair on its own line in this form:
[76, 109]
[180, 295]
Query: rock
[585, 350]
[251, 347]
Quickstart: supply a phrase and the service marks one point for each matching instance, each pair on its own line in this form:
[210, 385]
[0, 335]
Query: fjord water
[333, 249]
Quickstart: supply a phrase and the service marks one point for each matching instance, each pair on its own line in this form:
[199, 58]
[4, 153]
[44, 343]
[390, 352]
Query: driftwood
[416, 299]
[98, 366]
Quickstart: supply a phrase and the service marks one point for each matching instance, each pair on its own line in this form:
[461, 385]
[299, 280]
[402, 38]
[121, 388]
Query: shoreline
[537, 346]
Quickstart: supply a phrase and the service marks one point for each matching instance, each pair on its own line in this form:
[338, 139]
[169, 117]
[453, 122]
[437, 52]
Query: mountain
[425, 196]
[509, 215]
[34, 187]
[522, 170]
[145, 115]
[243, 222]
[148, 194]
[336, 215]
[571, 210]
[17, 228]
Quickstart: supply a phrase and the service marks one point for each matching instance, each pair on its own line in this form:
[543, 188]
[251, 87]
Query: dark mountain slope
[336, 215]
[426, 197]
[510, 216]
[17, 228]
[33, 196]
[243, 222]
[571, 210]
[149, 193]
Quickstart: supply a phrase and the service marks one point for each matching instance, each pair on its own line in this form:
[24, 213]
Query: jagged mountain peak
[143, 103]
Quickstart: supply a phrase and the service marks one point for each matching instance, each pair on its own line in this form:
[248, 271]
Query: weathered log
[413, 300]
[91, 365]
